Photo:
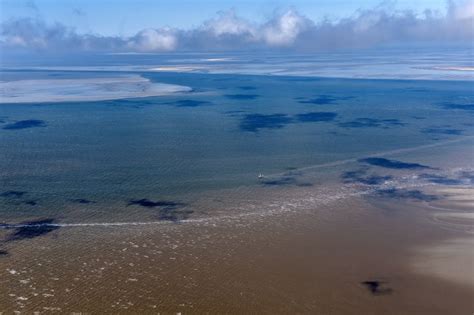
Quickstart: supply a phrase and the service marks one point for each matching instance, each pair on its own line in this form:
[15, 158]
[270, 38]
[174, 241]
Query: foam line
[281, 209]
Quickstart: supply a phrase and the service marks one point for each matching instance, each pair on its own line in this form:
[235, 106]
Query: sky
[158, 25]
[127, 17]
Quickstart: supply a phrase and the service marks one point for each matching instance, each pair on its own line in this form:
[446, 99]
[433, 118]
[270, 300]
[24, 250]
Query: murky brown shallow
[309, 262]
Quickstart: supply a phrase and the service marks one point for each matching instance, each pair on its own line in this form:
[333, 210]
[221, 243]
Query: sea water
[123, 159]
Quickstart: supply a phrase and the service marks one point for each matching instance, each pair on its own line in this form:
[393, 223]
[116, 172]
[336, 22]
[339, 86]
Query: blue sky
[127, 17]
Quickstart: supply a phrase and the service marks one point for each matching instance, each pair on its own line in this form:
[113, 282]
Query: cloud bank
[288, 30]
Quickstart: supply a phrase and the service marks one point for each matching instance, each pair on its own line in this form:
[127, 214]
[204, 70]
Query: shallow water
[128, 159]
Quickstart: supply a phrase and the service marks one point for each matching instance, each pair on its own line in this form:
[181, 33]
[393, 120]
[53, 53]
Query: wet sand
[453, 258]
[352, 256]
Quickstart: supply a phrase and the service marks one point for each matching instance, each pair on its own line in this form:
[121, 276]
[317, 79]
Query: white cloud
[153, 40]
[289, 30]
[284, 29]
[228, 23]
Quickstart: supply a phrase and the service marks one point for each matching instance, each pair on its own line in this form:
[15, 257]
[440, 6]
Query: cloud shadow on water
[189, 103]
[30, 229]
[322, 99]
[371, 123]
[82, 201]
[16, 197]
[282, 181]
[167, 210]
[414, 194]
[360, 176]
[255, 122]
[316, 116]
[443, 180]
[285, 180]
[242, 97]
[13, 194]
[24, 124]
[465, 107]
[392, 164]
[443, 131]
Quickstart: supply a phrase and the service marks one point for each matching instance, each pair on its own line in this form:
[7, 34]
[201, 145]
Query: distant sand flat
[455, 68]
[176, 68]
[89, 89]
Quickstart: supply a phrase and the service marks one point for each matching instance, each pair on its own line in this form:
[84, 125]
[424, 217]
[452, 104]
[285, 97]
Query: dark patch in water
[406, 194]
[13, 194]
[323, 99]
[23, 124]
[376, 287]
[3, 252]
[443, 131]
[393, 164]
[316, 116]
[255, 122]
[167, 210]
[234, 113]
[152, 204]
[242, 96]
[304, 185]
[30, 229]
[289, 178]
[360, 176]
[371, 123]
[320, 100]
[31, 202]
[442, 180]
[82, 201]
[190, 103]
[134, 103]
[174, 215]
[283, 181]
[466, 107]
[247, 88]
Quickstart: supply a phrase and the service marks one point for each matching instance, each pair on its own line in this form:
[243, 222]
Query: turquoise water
[87, 160]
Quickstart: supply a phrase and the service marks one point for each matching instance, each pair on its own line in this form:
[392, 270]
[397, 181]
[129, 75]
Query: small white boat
[260, 176]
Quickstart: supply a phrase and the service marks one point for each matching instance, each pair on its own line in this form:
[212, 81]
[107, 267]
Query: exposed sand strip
[90, 89]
